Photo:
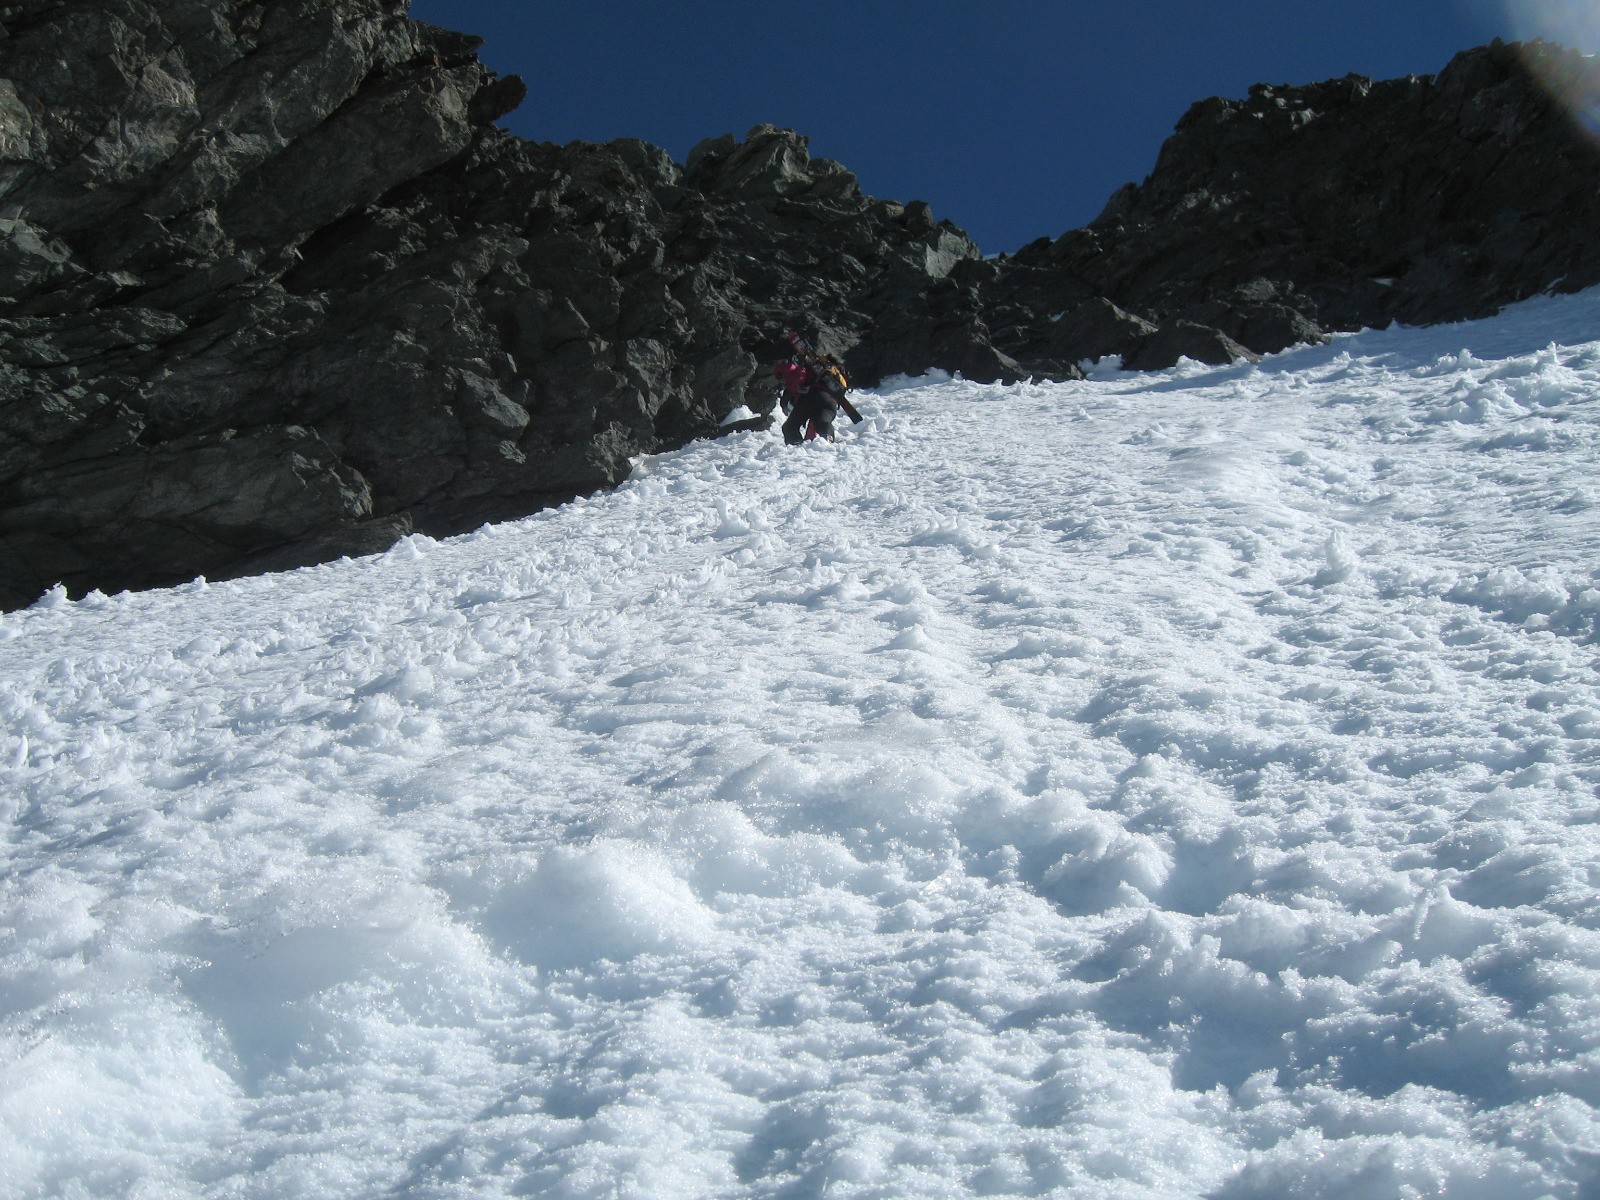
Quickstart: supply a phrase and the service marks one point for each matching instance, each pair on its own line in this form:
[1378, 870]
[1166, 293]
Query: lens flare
[1573, 79]
[1574, 23]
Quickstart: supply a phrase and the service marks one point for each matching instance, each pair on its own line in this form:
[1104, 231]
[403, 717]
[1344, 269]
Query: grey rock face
[1186, 339]
[1300, 211]
[274, 288]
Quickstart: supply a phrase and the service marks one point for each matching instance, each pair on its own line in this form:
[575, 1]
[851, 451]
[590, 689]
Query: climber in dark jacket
[808, 399]
[820, 382]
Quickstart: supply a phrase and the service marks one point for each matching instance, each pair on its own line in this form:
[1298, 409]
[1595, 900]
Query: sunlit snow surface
[1158, 786]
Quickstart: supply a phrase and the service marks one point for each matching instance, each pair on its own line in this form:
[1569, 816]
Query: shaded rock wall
[1303, 210]
[274, 288]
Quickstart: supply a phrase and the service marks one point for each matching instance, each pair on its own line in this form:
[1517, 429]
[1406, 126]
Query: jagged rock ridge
[1272, 220]
[274, 288]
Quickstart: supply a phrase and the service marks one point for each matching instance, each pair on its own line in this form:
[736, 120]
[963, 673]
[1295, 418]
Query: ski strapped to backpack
[830, 373]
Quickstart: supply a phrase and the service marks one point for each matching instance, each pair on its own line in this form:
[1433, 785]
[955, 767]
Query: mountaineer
[814, 387]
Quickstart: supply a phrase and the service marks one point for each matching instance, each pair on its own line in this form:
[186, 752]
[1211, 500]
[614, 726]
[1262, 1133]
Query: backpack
[831, 375]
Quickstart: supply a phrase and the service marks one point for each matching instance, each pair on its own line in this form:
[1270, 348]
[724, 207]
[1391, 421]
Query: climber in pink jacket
[806, 400]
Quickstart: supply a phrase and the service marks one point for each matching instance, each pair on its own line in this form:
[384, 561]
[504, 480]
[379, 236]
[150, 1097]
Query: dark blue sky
[1014, 118]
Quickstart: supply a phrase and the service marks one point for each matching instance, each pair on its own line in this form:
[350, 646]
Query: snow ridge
[1149, 786]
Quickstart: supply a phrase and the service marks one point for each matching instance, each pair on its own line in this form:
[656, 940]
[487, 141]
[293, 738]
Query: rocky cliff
[1296, 212]
[274, 288]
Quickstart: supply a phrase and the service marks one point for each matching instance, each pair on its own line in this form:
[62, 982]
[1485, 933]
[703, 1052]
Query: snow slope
[1156, 786]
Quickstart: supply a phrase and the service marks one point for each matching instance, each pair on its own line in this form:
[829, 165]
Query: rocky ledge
[274, 288]
[1300, 211]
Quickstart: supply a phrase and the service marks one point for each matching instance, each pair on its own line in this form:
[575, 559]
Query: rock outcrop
[1299, 211]
[274, 288]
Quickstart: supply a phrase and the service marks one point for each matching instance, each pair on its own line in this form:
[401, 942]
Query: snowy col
[1149, 786]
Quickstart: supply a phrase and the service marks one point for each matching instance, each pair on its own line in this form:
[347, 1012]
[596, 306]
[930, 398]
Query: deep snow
[1158, 786]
